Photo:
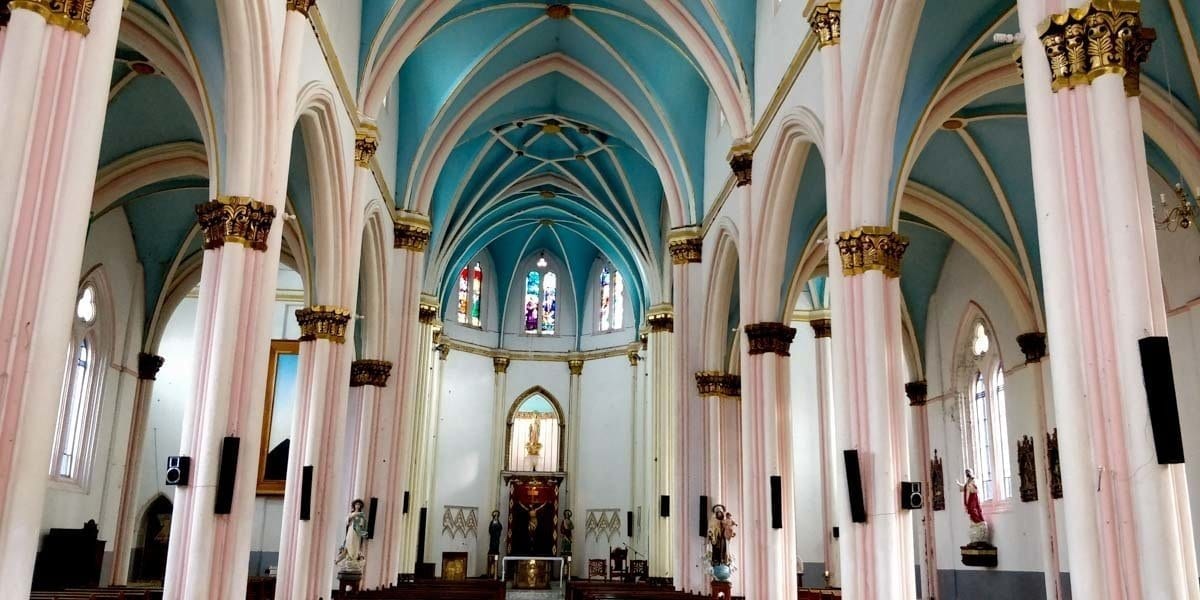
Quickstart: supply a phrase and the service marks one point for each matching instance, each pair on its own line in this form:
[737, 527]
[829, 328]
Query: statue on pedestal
[350, 556]
[721, 529]
[567, 530]
[495, 528]
[980, 552]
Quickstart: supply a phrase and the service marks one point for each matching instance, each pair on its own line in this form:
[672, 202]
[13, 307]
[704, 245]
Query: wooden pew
[432, 589]
[613, 590]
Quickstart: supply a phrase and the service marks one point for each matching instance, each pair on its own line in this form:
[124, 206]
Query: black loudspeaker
[910, 495]
[227, 475]
[179, 470]
[858, 508]
[703, 522]
[306, 476]
[1159, 379]
[837, 533]
[664, 506]
[776, 502]
[629, 523]
[421, 535]
[405, 511]
[372, 509]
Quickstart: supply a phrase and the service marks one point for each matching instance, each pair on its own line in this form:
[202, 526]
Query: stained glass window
[605, 300]
[618, 301]
[463, 300]
[549, 303]
[476, 295]
[533, 295]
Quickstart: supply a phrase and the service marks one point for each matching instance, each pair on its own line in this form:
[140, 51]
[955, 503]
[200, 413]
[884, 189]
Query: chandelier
[1174, 217]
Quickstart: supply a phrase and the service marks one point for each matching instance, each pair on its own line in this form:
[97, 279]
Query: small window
[984, 418]
[541, 300]
[612, 299]
[470, 287]
[78, 405]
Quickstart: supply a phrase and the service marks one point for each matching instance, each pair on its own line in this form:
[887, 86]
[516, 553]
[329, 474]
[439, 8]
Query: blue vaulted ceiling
[552, 165]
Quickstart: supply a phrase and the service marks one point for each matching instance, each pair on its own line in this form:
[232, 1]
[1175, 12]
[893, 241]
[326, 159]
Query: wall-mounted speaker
[421, 535]
[306, 483]
[664, 506]
[226, 475]
[911, 497]
[858, 508]
[179, 470]
[837, 533]
[372, 509]
[703, 517]
[405, 511]
[1159, 379]
[776, 502]
[629, 523]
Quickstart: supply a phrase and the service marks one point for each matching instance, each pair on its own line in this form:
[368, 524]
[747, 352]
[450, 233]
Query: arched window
[612, 299]
[77, 409]
[984, 420]
[541, 300]
[470, 286]
[549, 303]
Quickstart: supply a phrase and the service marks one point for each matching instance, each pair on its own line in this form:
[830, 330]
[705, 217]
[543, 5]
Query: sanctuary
[599, 299]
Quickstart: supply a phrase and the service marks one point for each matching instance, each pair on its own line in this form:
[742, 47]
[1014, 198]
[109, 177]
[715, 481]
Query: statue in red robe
[971, 499]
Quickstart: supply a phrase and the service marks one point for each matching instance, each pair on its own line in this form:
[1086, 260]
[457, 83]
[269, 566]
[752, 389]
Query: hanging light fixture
[1177, 217]
[541, 262]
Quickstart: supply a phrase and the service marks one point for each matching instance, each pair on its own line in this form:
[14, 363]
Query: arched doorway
[153, 537]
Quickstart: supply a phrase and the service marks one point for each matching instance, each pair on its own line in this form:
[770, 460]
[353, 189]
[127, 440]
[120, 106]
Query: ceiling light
[541, 263]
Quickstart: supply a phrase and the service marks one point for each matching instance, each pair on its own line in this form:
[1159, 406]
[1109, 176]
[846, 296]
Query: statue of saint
[721, 529]
[567, 530]
[494, 531]
[971, 498]
[350, 556]
[534, 446]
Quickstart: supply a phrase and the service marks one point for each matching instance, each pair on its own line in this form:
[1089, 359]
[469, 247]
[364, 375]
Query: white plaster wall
[605, 477]
[806, 449]
[780, 30]
[344, 23]
[109, 247]
[719, 140]
[1015, 525]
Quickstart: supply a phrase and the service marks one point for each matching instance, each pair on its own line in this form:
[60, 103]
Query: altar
[533, 572]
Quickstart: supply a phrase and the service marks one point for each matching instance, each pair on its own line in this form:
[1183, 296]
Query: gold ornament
[411, 232]
[826, 22]
[871, 249]
[323, 322]
[235, 219]
[1099, 38]
[770, 338]
[685, 245]
[716, 383]
[366, 142]
[370, 372]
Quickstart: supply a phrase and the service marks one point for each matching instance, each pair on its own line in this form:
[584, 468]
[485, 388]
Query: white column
[918, 394]
[662, 400]
[575, 418]
[822, 330]
[148, 366]
[1033, 346]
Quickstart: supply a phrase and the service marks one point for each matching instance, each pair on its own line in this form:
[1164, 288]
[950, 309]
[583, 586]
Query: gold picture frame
[282, 368]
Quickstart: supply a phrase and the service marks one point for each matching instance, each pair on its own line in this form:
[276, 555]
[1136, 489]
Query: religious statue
[971, 498]
[494, 531]
[567, 530]
[980, 552]
[534, 446]
[533, 520]
[721, 529]
[350, 556]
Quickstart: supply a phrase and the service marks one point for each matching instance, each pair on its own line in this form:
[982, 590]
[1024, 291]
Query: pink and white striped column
[1128, 518]
[663, 445]
[822, 332]
[55, 67]
[148, 366]
[918, 397]
[315, 482]
[685, 246]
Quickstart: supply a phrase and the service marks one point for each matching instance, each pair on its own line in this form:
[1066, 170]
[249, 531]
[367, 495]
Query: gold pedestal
[532, 575]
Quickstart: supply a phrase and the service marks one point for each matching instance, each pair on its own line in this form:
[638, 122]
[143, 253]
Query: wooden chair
[597, 567]
[618, 562]
[639, 569]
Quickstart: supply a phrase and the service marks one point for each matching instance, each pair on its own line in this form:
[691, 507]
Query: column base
[979, 554]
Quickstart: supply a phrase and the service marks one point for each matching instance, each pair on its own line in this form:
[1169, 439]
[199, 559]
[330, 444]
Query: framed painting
[282, 395]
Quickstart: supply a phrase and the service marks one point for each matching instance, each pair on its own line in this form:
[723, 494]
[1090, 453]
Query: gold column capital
[576, 366]
[235, 219]
[323, 322]
[770, 338]
[370, 372]
[1099, 38]
[410, 231]
[685, 245]
[1033, 346]
[148, 365]
[871, 249]
[500, 364]
[661, 318]
[633, 357]
[917, 392]
[427, 312]
[443, 350]
[72, 15]
[366, 142]
[717, 383]
[822, 328]
[826, 22]
[301, 6]
[741, 161]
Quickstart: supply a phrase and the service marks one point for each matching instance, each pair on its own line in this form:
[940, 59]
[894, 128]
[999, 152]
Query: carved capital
[685, 245]
[1033, 345]
[716, 383]
[443, 351]
[236, 220]
[558, 11]
[826, 21]
[366, 142]
[411, 232]
[871, 249]
[427, 313]
[500, 364]
[917, 392]
[576, 366]
[72, 15]
[301, 6]
[323, 322]
[767, 338]
[822, 328]
[661, 319]
[633, 357]
[741, 161]
[148, 365]
[1099, 38]
[370, 372]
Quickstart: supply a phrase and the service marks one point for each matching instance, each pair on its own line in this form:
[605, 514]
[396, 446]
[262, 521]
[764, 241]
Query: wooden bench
[434, 589]
[818, 594]
[612, 590]
[98, 594]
